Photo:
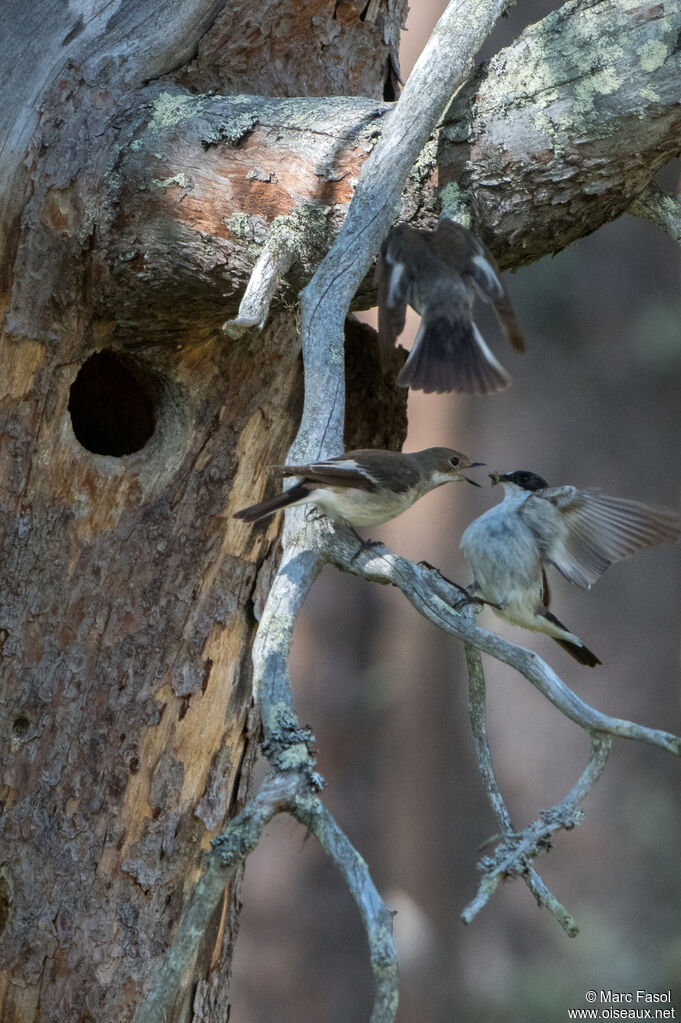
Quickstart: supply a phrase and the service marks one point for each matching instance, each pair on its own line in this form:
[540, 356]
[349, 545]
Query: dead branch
[516, 852]
[659, 208]
[378, 564]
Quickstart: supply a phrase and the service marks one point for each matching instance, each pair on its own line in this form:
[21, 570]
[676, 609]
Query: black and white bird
[365, 487]
[579, 532]
[438, 274]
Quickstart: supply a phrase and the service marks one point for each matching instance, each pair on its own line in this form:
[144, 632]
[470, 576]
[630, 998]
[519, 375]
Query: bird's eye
[454, 460]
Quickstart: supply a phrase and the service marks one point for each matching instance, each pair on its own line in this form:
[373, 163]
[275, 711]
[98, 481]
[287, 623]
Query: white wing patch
[480, 341]
[345, 465]
[395, 289]
[490, 285]
[337, 463]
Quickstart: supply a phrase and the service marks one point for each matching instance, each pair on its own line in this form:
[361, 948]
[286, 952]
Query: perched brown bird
[579, 532]
[366, 487]
[438, 273]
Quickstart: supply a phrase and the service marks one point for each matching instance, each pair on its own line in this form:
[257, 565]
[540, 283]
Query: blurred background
[595, 401]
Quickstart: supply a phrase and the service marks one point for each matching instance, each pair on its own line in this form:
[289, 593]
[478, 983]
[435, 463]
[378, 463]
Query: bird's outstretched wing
[583, 532]
[394, 277]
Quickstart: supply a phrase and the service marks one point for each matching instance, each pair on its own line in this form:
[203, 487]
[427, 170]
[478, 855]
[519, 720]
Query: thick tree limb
[37, 43]
[566, 126]
[556, 136]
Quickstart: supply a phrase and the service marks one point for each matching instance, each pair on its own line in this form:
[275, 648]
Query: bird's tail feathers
[452, 356]
[576, 650]
[272, 504]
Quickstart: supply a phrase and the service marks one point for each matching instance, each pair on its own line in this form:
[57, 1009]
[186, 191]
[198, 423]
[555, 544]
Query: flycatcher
[365, 487]
[438, 273]
[579, 532]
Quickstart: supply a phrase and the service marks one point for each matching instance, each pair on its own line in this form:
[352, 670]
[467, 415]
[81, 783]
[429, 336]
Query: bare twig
[489, 884]
[478, 718]
[659, 208]
[516, 853]
[442, 603]
[376, 917]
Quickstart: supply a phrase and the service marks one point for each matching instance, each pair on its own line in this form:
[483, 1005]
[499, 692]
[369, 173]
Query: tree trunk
[131, 430]
[133, 204]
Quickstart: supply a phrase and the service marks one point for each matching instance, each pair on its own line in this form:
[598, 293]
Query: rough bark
[352, 49]
[132, 210]
[542, 146]
[566, 126]
[126, 685]
[130, 430]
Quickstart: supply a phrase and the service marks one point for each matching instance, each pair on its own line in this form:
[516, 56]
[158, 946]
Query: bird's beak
[495, 478]
[472, 465]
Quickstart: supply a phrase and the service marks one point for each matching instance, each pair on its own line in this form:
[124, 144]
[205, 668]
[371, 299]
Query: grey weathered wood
[659, 208]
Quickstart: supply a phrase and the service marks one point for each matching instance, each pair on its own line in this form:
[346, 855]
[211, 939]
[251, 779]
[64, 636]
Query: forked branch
[441, 603]
[282, 791]
[515, 854]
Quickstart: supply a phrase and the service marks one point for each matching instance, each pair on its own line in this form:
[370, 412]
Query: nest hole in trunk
[112, 405]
